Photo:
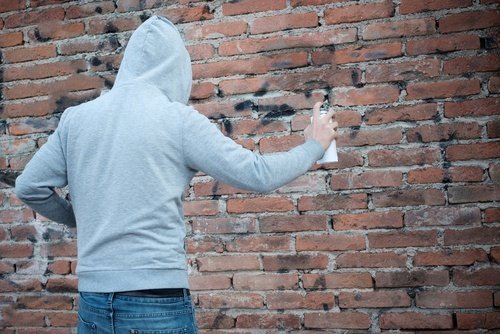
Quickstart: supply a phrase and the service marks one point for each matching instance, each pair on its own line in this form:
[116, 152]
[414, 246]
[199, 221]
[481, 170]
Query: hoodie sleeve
[45, 171]
[208, 150]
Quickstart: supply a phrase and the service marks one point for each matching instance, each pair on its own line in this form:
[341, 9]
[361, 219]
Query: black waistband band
[156, 293]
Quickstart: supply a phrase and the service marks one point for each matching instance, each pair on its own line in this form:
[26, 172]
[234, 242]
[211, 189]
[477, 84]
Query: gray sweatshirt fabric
[128, 156]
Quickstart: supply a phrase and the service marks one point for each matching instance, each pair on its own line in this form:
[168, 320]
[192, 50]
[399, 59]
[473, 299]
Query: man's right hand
[320, 128]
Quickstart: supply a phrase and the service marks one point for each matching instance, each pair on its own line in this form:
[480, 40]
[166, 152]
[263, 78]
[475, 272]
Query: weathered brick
[474, 108]
[417, 112]
[406, 71]
[472, 64]
[223, 225]
[469, 21]
[11, 39]
[298, 261]
[476, 277]
[338, 280]
[45, 70]
[494, 84]
[56, 30]
[12, 5]
[62, 285]
[473, 193]
[493, 129]
[228, 263]
[477, 151]
[16, 250]
[442, 89]
[361, 12]
[259, 243]
[438, 175]
[346, 319]
[402, 239]
[371, 260]
[332, 202]
[262, 25]
[409, 27]
[259, 204]
[45, 302]
[388, 136]
[369, 220]
[414, 278]
[477, 235]
[214, 320]
[291, 223]
[187, 14]
[368, 179]
[202, 90]
[203, 208]
[328, 242]
[268, 320]
[8, 216]
[265, 281]
[216, 30]
[24, 233]
[286, 300]
[409, 6]
[207, 244]
[487, 320]
[450, 257]
[209, 282]
[34, 17]
[417, 156]
[443, 216]
[90, 9]
[22, 54]
[380, 298]
[444, 132]
[251, 6]
[357, 53]
[492, 215]
[365, 96]
[59, 267]
[442, 44]
[201, 51]
[441, 299]
[410, 197]
[415, 320]
[230, 300]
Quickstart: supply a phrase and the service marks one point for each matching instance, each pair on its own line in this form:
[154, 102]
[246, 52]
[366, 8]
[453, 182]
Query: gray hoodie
[128, 156]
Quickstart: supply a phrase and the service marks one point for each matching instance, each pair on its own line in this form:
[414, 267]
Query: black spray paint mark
[95, 61]
[39, 37]
[144, 17]
[277, 111]
[110, 28]
[9, 177]
[247, 104]
[262, 90]
[98, 10]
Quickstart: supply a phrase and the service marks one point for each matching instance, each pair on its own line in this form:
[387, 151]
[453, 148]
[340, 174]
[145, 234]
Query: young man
[127, 157]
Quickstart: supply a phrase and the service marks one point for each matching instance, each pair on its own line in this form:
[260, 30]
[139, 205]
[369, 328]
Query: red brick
[417, 112]
[209, 282]
[204, 208]
[291, 81]
[368, 179]
[265, 281]
[338, 280]
[24, 233]
[290, 223]
[17, 285]
[492, 215]
[328, 242]
[17, 318]
[22, 54]
[251, 126]
[356, 13]
[18, 163]
[411, 197]
[216, 30]
[6, 268]
[56, 30]
[407, 71]
[440, 299]
[287, 300]
[45, 70]
[474, 108]
[259, 243]
[365, 96]
[346, 319]
[12, 216]
[442, 44]
[16, 250]
[332, 202]
[469, 21]
[477, 151]
[223, 225]
[60, 267]
[386, 136]
[259, 204]
[280, 144]
[297, 3]
[494, 85]
[294, 261]
[411, 278]
[402, 239]
[217, 110]
[488, 320]
[75, 82]
[345, 118]
[187, 14]
[17, 145]
[230, 300]
[417, 156]
[450, 216]
[228, 263]
[474, 193]
[380, 298]
[444, 132]
[475, 277]
[202, 90]
[90, 9]
[357, 53]
[262, 25]
[279, 321]
[409, 6]
[62, 285]
[11, 39]
[442, 89]
[251, 6]
[371, 260]
[61, 248]
[45, 302]
[368, 220]
[34, 17]
[33, 125]
[415, 320]
[450, 257]
[408, 27]
[438, 175]
[214, 319]
[259, 65]
[207, 244]
[12, 5]
[306, 40]
[472, 64]
[200, 51]
[426, 175]
[493, 129]
[102, 26]
[477, 235]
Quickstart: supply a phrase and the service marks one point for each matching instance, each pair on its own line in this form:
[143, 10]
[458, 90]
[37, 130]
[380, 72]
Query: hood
[155, 54]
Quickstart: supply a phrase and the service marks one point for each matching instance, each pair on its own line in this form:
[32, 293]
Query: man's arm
[45, 171]
[208, 150]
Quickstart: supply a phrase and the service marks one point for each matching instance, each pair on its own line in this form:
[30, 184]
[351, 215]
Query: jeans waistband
[156, 293]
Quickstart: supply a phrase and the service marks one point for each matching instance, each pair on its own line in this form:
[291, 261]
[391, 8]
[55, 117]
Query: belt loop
[110, 297]
[184, 292]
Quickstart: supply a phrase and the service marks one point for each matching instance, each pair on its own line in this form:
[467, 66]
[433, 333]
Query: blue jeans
[108, 313]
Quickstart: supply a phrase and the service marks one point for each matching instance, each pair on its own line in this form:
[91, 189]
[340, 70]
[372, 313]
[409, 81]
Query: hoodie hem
[128, 280]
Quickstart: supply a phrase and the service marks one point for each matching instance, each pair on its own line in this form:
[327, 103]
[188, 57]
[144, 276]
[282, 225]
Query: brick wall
[401, 234]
